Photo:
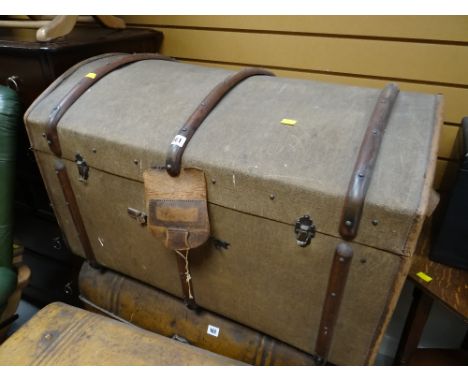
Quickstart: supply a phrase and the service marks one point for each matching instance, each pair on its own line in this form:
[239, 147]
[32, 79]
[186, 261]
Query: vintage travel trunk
[294, 209]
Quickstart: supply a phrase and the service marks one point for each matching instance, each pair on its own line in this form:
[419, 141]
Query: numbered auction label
[213, 331]
[179, 140]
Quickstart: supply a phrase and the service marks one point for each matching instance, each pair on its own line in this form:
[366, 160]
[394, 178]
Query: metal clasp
[181, 339]
[220, 244]
[139, 216]
[304, 230]
[83, 168]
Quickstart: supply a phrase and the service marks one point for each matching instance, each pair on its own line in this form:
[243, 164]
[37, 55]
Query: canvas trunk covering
[261, 176]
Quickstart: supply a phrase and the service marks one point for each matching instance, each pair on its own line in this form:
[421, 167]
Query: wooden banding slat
[84, 84]
[455, 98]
[54, 144]
[72, 205]
[368, 153]
[331, 307]
[186, 132]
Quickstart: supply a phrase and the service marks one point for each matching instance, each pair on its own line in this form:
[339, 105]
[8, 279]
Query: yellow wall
[420, 53]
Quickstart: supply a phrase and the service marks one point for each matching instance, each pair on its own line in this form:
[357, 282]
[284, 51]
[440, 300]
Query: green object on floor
[10, 111]
[8, 281]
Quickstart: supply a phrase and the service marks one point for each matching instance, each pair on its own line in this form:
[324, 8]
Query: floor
[443, 330]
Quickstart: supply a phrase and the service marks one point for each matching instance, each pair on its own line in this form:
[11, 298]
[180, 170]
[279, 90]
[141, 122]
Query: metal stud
[272, 196]
[375, 222]
[135, 161]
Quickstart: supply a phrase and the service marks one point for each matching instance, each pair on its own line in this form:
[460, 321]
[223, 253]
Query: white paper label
[213, 330]
[179, 140]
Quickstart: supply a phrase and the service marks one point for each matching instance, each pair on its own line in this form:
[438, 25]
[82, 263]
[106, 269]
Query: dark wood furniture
[448, 286]
[29, 67]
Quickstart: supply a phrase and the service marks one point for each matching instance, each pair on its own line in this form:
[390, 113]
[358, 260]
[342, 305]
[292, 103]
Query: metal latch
[139, 216]
[83, 168]
[305, 231]
[181, 339]
[220, 244]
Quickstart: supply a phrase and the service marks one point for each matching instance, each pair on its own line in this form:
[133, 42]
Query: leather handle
[186, 132]
[84, 84]
[362, 174]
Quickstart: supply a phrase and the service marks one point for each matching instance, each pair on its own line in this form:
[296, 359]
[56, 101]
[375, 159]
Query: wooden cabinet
[29, 67]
